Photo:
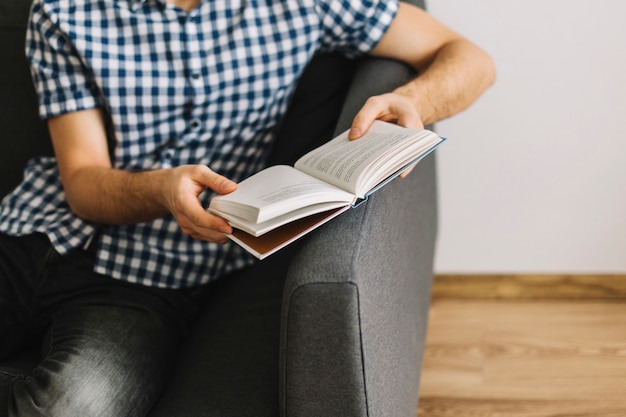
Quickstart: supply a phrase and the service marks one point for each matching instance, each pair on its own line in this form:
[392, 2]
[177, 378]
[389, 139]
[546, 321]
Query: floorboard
[509, 354]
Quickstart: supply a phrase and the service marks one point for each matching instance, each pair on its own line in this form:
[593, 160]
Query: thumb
[225, 186]
[362, 121]
[410, 119]
[217, 182]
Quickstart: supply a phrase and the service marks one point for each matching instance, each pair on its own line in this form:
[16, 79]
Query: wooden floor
[531, 346]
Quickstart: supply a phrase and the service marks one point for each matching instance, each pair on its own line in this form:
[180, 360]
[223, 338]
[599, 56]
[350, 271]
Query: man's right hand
[186, 183]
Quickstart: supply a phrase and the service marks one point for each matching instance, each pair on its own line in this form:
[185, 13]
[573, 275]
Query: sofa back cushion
[22, 134]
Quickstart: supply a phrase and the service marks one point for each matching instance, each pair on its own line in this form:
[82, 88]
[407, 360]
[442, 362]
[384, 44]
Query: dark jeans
[107, 345]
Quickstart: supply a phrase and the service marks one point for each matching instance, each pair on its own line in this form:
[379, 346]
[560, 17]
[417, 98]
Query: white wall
[533, 178]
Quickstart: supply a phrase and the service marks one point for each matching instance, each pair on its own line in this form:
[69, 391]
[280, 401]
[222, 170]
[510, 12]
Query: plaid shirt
[204, 87]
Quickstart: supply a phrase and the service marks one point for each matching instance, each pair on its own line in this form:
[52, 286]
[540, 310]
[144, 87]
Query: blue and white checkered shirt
[204, 87]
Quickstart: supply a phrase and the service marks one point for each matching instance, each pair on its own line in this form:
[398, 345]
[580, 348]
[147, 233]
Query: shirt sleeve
[62, 81]
[354, 27]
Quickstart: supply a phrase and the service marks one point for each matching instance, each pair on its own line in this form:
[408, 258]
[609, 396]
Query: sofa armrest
[356, 297]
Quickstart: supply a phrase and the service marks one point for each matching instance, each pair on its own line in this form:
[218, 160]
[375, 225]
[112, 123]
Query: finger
[407, 172]
[210, 236]
[200, 220]
[203, 233]
[191, 216]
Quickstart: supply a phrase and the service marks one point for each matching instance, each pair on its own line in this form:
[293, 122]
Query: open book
[279, 204]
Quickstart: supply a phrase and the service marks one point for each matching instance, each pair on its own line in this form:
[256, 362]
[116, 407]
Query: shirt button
[195, 124]
[195, 76]
[166, 159]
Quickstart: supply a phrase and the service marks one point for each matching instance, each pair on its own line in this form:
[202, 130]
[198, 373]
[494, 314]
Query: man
[153, 106]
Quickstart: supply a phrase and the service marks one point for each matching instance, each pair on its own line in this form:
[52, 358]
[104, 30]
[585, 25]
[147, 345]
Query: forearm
[95, 190]
[111, 196]
[100, 193]
[459, 73]
[452, 73]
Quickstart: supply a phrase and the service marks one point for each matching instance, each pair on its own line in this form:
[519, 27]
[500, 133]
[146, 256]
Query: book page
[258, 229]
[275, 191]
[269, 243]
[343, 162]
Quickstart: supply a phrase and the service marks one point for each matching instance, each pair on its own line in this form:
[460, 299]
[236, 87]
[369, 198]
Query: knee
[98, 391]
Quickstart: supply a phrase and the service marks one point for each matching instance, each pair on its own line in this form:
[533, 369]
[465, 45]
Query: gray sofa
[335, 324]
